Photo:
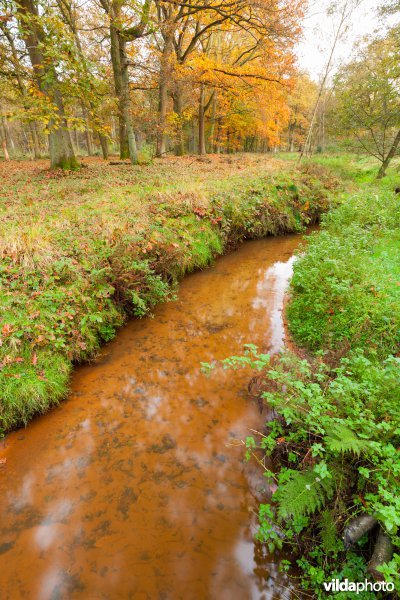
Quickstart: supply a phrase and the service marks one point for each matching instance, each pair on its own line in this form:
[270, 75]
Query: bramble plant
[335, 435]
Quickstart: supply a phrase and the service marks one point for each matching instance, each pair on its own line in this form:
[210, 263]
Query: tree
[189, 30]
[367, 97]
[16, 73]
[344, 9]
[300, 101]
[91, 98]
[122, 31]
[46, 77]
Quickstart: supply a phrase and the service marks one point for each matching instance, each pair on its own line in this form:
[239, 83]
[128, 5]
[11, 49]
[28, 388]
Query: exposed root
[356, 529]
[383, 552]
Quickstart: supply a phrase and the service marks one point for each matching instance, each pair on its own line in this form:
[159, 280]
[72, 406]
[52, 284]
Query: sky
[319, 31]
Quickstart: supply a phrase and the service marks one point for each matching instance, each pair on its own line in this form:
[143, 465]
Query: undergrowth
[349, 279]
[331, 451]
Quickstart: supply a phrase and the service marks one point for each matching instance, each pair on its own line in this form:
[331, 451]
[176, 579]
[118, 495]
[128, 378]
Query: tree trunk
[116, 53]
[178, 105]
[212, 128]
[387, 160]
[7, 139]
[202, 113]
[35, 140]
[88, 134]
[162, 115]
[22, 88]
[104, 145]
[4, 141]
[163, 91]
[60, 144]
[125, 103]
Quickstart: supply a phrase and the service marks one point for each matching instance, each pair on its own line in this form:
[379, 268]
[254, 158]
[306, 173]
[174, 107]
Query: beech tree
[186, 34]
[182, 75]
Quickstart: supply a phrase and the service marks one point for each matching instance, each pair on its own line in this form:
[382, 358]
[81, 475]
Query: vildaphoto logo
[335, 585]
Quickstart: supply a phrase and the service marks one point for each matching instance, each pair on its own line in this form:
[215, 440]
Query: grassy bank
[81, 252]
[335, 431]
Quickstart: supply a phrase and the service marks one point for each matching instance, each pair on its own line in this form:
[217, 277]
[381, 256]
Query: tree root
[383, 552]
[383, 549]
[356, 529]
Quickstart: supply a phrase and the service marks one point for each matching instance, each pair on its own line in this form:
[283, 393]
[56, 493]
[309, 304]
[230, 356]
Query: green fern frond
[303, 494]
[341, 439]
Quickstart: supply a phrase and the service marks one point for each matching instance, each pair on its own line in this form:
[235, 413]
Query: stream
[135, 487]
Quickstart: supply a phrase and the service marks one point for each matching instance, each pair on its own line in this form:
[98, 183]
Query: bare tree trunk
[104, 145]
[4, 141]
[125, 103]
[162, 116]
[387, 160]
[212, 128]
[178, 106]
[7, 135]
[217, 140]
[75, 141]
[118, 83]
[163, 92]
[88, 133]
[5, 151]
[35, 140]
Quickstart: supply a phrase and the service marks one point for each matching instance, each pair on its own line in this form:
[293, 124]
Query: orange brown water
[135, 487]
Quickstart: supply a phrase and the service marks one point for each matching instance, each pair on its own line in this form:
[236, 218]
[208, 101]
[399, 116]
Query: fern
[341, 439]
[303, 494]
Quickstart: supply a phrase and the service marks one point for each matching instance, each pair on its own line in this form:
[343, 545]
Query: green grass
[349, 279]
[79, 253]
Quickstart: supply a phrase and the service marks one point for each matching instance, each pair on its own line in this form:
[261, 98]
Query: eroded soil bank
[135, 487]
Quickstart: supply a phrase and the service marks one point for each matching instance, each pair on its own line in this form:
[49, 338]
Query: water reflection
[133, 488]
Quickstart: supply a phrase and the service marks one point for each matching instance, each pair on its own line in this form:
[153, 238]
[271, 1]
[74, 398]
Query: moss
[67, 164]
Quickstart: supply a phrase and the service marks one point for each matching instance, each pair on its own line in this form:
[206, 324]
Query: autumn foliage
[157, 77]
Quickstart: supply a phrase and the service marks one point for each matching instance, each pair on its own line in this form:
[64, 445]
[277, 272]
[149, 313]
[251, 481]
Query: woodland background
[145, 79]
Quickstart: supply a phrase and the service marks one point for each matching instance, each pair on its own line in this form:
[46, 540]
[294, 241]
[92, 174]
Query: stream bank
[72, 274]
[334, 429]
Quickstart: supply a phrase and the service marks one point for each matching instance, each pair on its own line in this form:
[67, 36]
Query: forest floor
[81, 251]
